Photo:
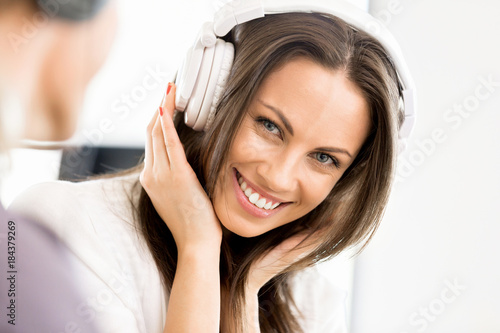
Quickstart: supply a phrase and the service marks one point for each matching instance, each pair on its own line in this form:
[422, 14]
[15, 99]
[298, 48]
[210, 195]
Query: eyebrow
[280, 115]
[335, 150]
[290, 129]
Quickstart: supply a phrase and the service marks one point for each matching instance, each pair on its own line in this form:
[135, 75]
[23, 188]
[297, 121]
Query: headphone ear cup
[221, 68]
[227, 65]
[195, 101]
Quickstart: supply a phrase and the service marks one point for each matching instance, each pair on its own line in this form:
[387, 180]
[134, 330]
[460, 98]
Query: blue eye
[323, 158]
[269, 125]
[326, 159]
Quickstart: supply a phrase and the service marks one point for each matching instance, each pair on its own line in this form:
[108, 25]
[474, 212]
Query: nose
[280, 174]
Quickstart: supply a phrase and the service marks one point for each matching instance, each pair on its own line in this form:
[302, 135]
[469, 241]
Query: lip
[251, 208]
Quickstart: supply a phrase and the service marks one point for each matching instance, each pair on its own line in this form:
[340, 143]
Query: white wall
[442, 225]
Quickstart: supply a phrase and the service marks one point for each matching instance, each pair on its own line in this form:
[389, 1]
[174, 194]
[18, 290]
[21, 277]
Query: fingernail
[169, 87]
[161, 111]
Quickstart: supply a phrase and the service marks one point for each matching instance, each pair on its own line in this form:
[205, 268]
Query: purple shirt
[37, 292]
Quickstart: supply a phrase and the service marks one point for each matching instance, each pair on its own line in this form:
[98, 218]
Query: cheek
[248, 146]
[316, 190]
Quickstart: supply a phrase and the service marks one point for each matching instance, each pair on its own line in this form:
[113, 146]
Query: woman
[296, 167]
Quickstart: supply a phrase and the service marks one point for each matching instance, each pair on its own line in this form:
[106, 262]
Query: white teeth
[255, 198]
[261, 203]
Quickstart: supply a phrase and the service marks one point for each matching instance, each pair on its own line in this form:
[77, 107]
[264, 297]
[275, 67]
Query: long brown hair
[351, 212]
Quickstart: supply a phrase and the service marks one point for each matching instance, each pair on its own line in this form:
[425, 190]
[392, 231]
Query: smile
[254, 197]
[255, 201]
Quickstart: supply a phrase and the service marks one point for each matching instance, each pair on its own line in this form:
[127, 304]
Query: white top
[123, 284]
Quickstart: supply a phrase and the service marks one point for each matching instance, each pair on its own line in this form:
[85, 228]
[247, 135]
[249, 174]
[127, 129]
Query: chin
[243, 229]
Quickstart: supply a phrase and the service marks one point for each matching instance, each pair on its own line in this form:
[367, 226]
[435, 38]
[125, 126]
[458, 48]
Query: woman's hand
[278, 259]
[179, 199]
[264, 269]
[173, 187]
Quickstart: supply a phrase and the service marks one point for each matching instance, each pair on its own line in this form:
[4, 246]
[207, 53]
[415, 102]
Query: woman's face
[303, 129]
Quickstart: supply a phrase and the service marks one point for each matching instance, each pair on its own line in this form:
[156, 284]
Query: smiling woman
[294, 166]
[311, 124]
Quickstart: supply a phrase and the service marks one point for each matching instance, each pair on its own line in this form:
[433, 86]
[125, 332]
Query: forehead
[322, 105]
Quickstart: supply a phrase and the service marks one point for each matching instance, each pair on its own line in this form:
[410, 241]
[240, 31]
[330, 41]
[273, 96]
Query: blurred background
[433, 265]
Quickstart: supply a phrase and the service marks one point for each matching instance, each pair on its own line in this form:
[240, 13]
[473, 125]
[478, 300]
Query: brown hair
[351, 212]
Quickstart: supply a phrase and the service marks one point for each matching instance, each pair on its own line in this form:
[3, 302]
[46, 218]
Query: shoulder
[47, 201]
[61, 205]
[321, 304]
[73, 210]
[56, 204]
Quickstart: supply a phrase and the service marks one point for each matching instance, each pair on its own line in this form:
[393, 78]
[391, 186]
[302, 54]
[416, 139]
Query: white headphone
[202, 77]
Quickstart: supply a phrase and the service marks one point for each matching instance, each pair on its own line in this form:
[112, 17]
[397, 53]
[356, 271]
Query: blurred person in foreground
[49, 51]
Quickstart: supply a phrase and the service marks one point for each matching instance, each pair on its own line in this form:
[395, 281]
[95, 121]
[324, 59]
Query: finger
[160, 157]
[148, 153]
[168, 104]
[148, 159]
[175, 150]
[294, 249]
[156, 121]
[305, 243]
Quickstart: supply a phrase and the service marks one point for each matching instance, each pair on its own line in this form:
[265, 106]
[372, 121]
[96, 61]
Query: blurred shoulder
[50, 199]
[63, 205]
